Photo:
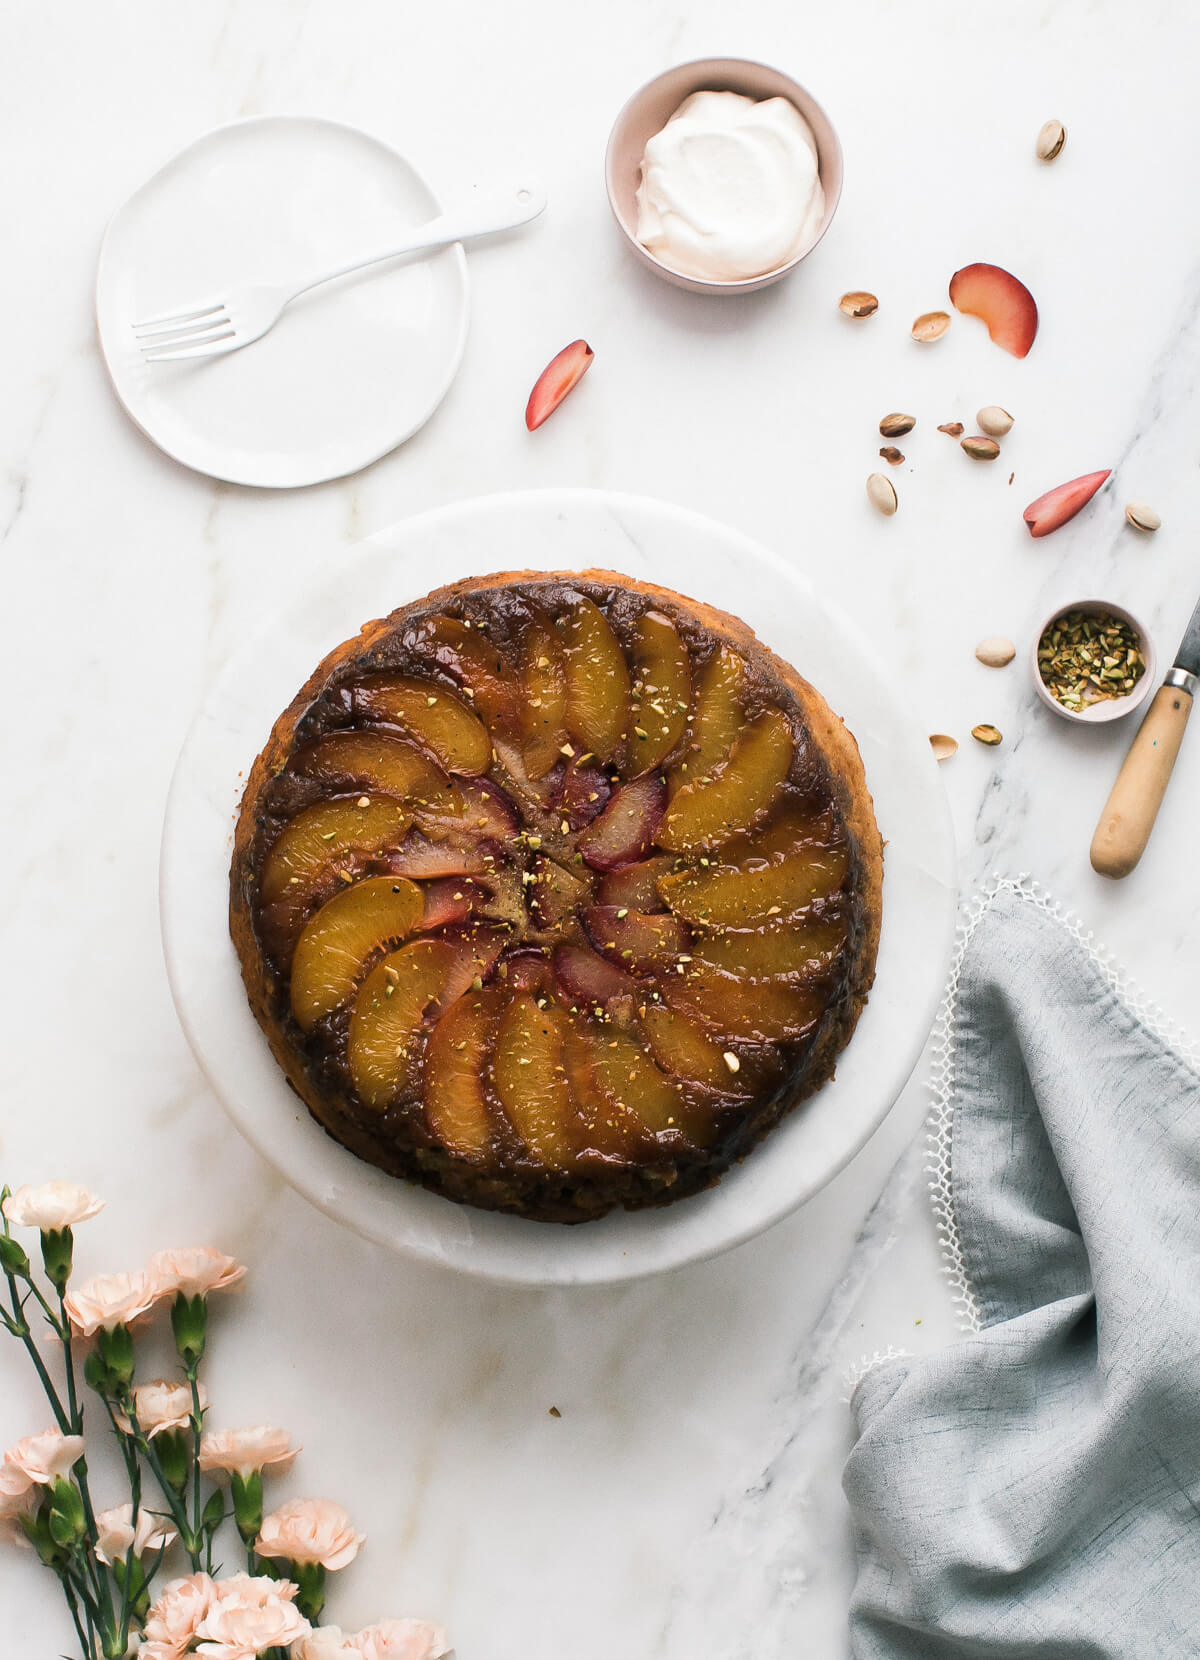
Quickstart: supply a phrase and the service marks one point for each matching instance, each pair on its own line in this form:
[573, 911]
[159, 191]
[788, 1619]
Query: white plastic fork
[226, 323]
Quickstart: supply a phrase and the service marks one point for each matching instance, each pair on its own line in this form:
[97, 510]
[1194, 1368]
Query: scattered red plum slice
[1003, 303]
[556, 380]
[1062, 503]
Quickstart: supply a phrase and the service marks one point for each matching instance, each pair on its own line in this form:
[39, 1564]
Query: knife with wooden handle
[1131, 809]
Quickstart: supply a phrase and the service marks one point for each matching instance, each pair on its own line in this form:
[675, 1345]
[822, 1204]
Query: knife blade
[1187, 658]
[1132, 807]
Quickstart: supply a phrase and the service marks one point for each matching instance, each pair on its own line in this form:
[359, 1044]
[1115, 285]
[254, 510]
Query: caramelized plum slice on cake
[803, 949]
[636, 886]
[378, 761]
[387, 1028]
[641, 941]
[683, 1049]
[662, 691]
[588, 980]
[717, 719]
[544, 685]
[431, 715]
[625, 830]
[706, 813]
[728, 896]
[328, 835]
[628, 1078]
[530, 1079]
[341, 938]
[749, 1011]
[480, 667]
[422, 859]
[597, 682]
[457, 1112]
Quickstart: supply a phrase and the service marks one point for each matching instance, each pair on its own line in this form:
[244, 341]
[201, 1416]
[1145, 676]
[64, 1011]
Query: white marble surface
[687, 1500]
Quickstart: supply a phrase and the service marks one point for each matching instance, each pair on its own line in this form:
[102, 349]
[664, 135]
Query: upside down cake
[555, 893]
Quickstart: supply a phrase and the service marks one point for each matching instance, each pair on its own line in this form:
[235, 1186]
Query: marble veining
[687, 1499]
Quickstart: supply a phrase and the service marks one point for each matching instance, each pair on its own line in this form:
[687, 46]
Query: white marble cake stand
[565, 530]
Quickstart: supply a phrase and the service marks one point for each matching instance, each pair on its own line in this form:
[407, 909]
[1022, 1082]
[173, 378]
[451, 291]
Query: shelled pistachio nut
[980, 449]
[895, 426]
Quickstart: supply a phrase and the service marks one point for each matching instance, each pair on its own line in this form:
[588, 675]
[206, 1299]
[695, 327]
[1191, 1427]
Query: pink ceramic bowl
[647, 113]
[1109, 708]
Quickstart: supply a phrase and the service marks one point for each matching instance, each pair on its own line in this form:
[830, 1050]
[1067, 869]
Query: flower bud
[97, 1376]
[214, 1513]
[172, 1449]
[310, 1599]
[115, 1349]
[12, 1257]
[58, 1249]
[189, 1322]
[247, 1495]
[67, 1522]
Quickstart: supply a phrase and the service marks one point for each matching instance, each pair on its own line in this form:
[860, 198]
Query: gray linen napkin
[1033, 1492]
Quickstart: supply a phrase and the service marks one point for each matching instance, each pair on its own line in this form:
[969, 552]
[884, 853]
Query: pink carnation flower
[45, 1458]
[402, 1640]
[109, 1300]
[243, 1452]
[192, 1271]
[162, 1406]
[17, 1497]
[310, 1530]
[116, 1534]
[247, 1616]
[327, 1642]
[52, 1206]
[173, 1621]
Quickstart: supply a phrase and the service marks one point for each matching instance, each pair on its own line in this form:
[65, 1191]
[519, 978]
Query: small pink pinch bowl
[1108, 708]
[648, 112]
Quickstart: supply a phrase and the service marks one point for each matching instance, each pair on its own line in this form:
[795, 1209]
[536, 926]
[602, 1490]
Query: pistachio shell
[892, 455]
[994, 421]
[931, 325]
[995, 651]
[943, 745]
[858, 303]
[882, 493]
[953, 428]
[1050, 140]
[1142, 516]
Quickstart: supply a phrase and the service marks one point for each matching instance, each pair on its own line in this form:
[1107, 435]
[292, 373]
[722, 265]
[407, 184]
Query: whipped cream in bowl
[730, 187]
[723, 175]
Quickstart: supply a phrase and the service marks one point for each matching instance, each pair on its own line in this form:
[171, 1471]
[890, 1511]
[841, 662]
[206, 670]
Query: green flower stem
[96, 1569]
[19, 1327]
[64, 1332]
[193, 1376]
[87, 1639]
[58, 1326]
[145, 1446]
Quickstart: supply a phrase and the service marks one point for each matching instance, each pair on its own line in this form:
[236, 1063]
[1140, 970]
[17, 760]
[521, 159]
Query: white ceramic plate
[349, 371]
[564, 530]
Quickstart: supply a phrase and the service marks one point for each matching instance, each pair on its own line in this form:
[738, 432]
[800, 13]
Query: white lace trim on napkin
[942, 1075]
[864, 1366]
